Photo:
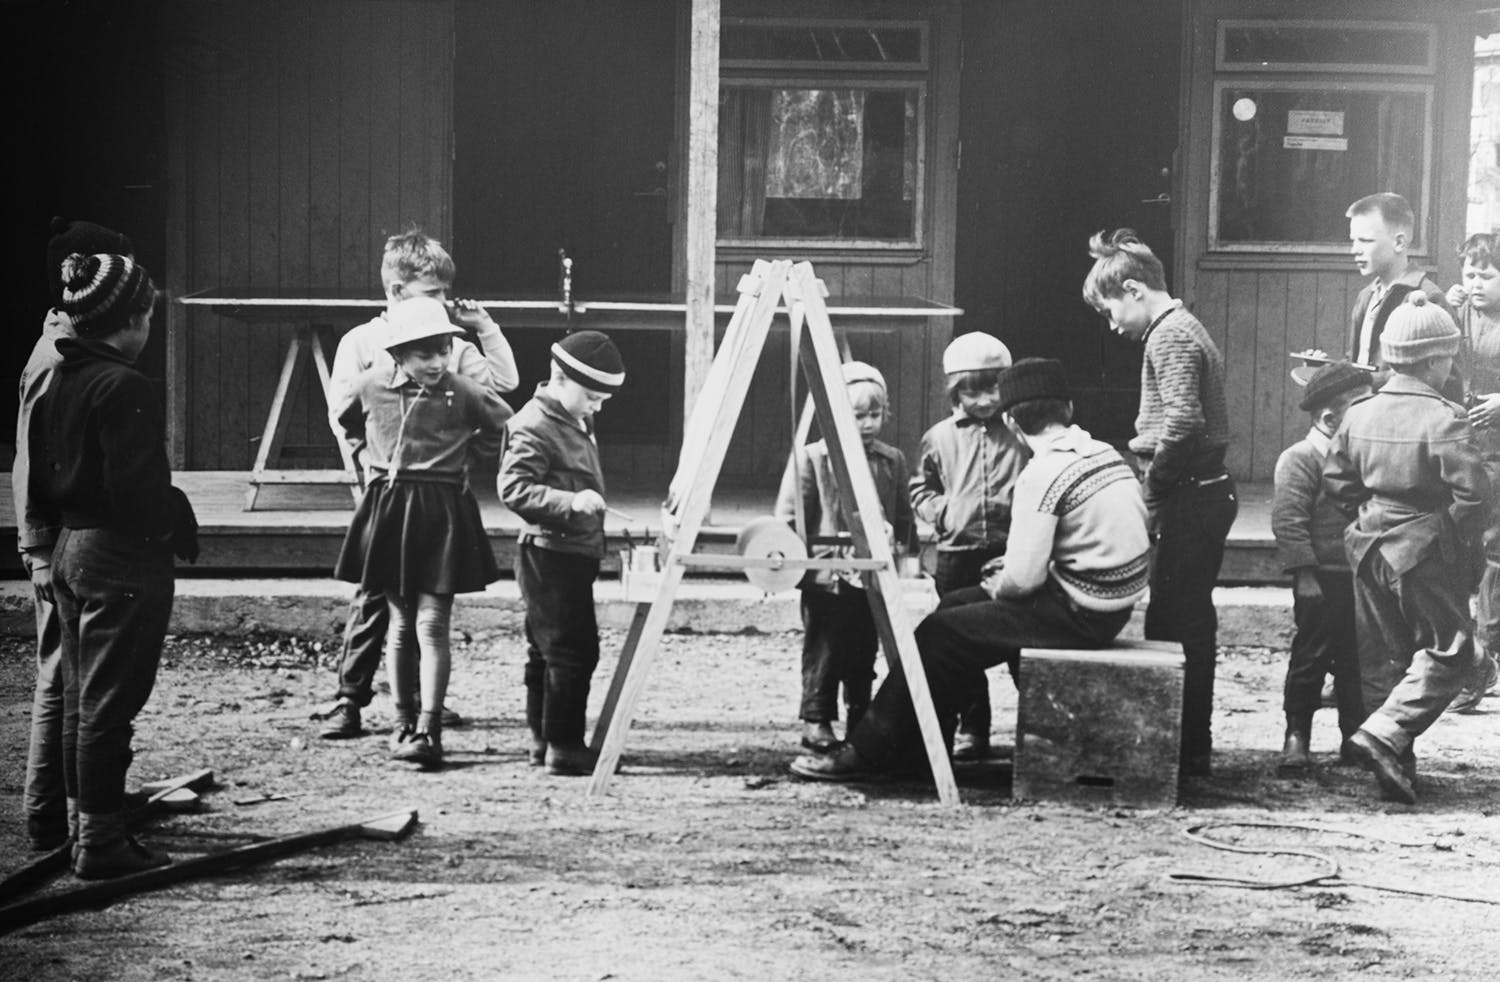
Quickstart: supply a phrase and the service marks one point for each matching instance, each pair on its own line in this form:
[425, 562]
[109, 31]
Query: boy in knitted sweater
[1405, 467]
[1182, 431]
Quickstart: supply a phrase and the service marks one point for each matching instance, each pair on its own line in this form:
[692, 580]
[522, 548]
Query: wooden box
[1101, 726]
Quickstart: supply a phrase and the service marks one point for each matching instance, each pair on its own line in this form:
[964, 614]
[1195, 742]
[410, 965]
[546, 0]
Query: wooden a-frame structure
[706, 441]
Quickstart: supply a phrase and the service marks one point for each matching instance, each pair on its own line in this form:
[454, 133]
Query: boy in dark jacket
[550, 477]
[1309, 532]
[100, 471]
[1406, 468]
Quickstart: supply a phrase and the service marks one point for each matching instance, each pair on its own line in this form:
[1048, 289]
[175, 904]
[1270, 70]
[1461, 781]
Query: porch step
[1256, 616]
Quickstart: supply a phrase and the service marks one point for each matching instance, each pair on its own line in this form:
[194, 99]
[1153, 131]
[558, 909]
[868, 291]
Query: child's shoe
[425, 746]
[819, 737]
[106, 850]
[970, 746]
[538, 755]
[570, 760]
[341, 722]
[406, 726]
[46, 831]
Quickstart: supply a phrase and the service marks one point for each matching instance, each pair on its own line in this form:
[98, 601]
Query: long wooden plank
[701, 226]
[864, 519]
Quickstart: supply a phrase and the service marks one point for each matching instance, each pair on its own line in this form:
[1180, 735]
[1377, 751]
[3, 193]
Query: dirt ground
[707, 861]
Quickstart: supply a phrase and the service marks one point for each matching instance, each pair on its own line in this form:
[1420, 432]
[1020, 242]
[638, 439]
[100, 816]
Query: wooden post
[702, 189]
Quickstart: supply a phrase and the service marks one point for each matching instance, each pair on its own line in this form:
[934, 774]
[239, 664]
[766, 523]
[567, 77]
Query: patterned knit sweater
[1077, 517]
[1183, 420]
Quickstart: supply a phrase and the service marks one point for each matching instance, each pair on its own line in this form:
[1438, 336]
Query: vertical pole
[702, 198]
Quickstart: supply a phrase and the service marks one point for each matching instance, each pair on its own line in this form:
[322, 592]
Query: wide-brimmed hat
[417, 319]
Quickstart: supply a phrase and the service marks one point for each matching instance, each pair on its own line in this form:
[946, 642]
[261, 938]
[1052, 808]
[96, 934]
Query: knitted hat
[1033, 378]
[975, 352]
[1416, 330]
[417, 319]
[100, 292]
[590, 359]
[858, 371]
[1330, 382]
[68, 237]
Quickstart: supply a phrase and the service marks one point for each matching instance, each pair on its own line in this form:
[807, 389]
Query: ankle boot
[107, 850]
[535, 696]
[1295, 755]
[425, 745]
[406, 725]
[570, 760]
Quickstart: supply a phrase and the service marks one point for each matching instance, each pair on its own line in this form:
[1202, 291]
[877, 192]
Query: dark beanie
[99, 293]
[1033, 378]
[69, 236]
[1330, 382]
[590, 359]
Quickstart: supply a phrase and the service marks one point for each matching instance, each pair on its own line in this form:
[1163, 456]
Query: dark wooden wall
[1260, 307]
[301, 133]
[1069, 115]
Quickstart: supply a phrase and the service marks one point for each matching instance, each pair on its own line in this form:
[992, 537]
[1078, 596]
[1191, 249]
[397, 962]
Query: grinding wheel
[771, 538]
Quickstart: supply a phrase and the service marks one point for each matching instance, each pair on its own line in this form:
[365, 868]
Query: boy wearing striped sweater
[1182, 431]
[1074, 566]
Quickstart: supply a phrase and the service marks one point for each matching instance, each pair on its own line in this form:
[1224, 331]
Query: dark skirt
[417, 537]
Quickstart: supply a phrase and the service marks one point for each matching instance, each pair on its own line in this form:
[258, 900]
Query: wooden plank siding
[303, 133]
[1265, 305]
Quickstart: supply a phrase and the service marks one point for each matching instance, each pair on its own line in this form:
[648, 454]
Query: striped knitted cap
[75, 235]
[99, 292]
[591, 359]
[1416, 330]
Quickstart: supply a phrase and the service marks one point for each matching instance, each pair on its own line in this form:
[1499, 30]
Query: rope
[1329, 878]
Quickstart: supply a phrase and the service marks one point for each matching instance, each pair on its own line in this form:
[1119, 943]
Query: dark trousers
[839, 644]
[1416, 644]
[364, 642]
[1487, 602]
[959, 569]
[1325, 644]
[46, 789]
[957, 643]
[1192, 524]
[562, 639]
[114, 598]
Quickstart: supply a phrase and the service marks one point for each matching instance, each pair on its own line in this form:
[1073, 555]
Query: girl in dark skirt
[417, 535]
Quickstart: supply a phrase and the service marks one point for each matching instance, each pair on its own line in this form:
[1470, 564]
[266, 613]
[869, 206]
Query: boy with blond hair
[414, 265]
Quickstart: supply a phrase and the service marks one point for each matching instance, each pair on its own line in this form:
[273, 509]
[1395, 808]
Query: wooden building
[927, 155]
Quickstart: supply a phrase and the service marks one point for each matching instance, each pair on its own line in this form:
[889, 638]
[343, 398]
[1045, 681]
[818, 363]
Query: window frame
[1419, 247]
[907, 76]
[1223, 64]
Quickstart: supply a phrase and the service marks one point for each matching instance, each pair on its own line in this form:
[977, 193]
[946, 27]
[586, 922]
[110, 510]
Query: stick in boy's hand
[589, 502]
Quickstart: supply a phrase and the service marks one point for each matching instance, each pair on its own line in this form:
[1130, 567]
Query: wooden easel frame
[706, 441]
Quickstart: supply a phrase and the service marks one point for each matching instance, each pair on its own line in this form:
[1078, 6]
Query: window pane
[812, 44]
[834, 163]
[1290, 160]
[1336, 46]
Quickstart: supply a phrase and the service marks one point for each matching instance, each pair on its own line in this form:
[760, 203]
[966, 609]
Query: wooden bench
[1099, 726]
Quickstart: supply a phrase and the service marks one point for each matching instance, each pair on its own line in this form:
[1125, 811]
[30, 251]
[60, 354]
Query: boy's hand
[1485, 413]
[469, 315]
[41, 582]
[588, 502]
[1305, 585]
[1457, 295]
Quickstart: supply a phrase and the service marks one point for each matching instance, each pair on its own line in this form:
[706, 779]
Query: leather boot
[425, 745]
[535, 697]
[1295, 756]
[107, 850]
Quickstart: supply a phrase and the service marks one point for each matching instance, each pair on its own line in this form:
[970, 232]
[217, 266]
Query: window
[832, 158]
[1290, 155]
